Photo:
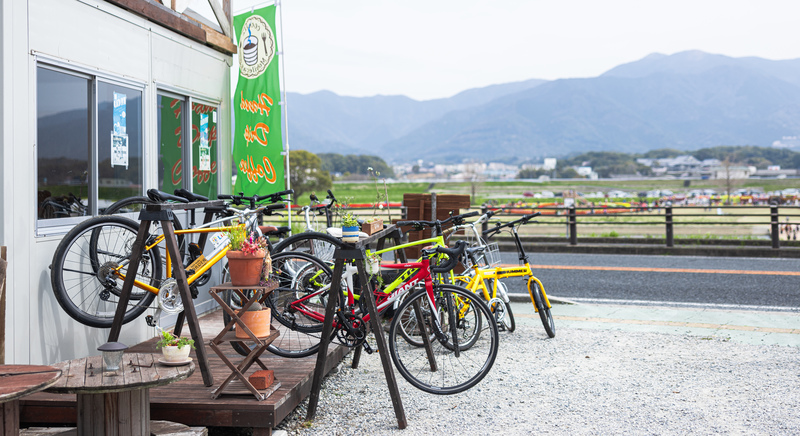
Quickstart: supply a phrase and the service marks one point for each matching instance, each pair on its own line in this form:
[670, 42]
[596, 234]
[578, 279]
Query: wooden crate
[420, 207]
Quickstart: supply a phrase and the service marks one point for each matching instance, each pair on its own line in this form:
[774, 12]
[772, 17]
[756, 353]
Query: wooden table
[16, 381]
[116, 402]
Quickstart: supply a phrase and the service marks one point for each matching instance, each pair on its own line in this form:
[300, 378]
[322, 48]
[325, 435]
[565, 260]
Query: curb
[518, 297]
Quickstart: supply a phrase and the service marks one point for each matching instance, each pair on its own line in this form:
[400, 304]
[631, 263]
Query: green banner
[171, 114]
[257, 143]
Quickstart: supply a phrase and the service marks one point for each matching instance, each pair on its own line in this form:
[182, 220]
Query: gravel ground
[580, 382]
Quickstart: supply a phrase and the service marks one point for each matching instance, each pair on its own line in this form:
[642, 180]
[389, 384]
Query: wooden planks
[422, 206]
[189, 401]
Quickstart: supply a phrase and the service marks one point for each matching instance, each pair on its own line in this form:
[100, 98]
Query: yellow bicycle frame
[204, 264]
[476, 282]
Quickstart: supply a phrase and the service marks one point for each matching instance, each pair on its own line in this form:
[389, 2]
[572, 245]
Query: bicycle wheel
[303, 284]
[84, 271]
[465, 346]
[317, 244]
[509, 321]
[503, 313]
[541, 307]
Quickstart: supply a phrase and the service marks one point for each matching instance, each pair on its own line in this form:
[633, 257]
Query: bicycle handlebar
[524, 220]
[163, 197]
[420, 224]
[453, 255]
[238, 200]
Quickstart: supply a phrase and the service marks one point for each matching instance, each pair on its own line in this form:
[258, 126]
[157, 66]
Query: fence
[756, 217]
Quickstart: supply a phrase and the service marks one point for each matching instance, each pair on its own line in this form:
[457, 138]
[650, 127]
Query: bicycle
[454, 321]
[89, 265]
[475, 281]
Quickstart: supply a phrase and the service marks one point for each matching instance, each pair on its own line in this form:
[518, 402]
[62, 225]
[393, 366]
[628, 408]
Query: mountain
[326, 122]
[688, 100]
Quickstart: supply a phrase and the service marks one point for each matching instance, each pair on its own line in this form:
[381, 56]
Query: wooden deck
[190, 403]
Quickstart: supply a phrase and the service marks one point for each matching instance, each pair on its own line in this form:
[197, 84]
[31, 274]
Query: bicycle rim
[317, 244]
[83, 278]
[299, 276]
[452, 374]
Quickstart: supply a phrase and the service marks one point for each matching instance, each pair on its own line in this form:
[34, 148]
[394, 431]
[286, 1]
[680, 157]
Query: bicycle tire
[453, 374]
[82, 282]
[510, 323]
[318, 244]
[541, 307]
[298, 275]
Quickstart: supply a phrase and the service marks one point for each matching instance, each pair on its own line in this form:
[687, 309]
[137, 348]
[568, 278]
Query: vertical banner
[258, 143]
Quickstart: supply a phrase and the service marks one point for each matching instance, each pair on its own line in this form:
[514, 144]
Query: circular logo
[256, 47]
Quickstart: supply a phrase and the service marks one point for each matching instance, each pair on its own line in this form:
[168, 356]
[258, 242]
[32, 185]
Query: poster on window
[120, 103]
[119, 150]
[205, 149]
[258, 143]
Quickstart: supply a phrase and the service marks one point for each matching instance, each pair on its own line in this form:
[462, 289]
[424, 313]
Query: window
[63, 144]
[172, 153]
[89, 144]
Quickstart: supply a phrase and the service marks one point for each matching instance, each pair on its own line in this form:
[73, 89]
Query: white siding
[99, 38]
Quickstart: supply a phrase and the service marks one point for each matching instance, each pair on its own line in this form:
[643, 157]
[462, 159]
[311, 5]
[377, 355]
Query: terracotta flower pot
[245, 270]
[257, 321]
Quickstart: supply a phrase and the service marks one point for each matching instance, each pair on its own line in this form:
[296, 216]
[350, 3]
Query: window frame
[189, 99]
[57, 226]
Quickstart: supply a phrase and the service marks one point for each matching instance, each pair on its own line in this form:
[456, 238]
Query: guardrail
[669, 216]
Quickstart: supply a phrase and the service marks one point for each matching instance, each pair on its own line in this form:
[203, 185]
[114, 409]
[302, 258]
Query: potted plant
[245, 257]
[173, 348]
[350, 228]
[256, 318]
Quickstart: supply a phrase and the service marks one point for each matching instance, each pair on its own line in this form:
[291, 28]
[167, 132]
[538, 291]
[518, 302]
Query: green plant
[237, 235]
[240, 241]
[169, 340]
[376, 274]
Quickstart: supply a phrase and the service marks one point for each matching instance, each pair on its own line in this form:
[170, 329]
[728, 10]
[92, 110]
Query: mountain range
[686, 101]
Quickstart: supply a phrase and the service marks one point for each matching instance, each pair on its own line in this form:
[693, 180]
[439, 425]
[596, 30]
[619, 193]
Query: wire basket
[492, 254]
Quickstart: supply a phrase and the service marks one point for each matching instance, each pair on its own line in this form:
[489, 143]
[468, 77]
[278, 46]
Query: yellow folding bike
[483, 261]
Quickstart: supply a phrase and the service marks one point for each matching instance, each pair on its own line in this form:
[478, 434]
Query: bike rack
[162, 212]
[356, 252]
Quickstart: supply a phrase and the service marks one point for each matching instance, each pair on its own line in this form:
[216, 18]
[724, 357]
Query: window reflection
[119, 142]
[63, 143]
[170, 124]
[204, 150]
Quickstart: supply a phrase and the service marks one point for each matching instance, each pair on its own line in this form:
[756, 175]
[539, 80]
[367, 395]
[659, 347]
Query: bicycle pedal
[194, 291]
[367, 348]
[150, 320]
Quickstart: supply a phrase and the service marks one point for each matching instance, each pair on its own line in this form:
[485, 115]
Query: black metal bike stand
[163, 214]
[355, 252]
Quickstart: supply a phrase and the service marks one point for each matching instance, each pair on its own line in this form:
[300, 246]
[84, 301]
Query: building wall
[97, 36]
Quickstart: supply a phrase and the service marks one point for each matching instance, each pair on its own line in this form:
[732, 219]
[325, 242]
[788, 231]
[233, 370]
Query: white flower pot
[176, 354]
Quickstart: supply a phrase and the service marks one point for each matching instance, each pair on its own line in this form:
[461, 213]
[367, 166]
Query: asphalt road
[745, 282]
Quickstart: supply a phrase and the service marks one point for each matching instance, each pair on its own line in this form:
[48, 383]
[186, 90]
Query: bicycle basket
[492, 254]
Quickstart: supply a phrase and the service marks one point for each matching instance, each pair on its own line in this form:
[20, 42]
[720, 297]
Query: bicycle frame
[204, 264]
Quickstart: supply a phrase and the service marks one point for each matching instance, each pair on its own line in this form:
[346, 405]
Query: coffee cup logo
[256, 47]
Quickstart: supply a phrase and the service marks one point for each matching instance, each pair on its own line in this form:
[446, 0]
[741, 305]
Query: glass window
[170, 155]
[119, 142]
[63, 110]
[204, 150]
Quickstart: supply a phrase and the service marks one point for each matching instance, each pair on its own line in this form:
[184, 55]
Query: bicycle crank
[352, 330]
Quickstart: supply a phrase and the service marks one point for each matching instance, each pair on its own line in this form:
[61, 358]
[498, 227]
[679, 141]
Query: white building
[66, 64]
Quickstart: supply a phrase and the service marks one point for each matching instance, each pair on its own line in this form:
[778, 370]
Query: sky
[427, 49]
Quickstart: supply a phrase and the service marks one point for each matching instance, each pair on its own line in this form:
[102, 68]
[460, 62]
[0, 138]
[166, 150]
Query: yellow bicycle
[483, 267]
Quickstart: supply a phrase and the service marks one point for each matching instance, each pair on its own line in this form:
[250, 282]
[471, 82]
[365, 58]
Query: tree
[306, 174]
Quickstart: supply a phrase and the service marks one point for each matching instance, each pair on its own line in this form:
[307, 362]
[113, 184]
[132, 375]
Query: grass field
[691, 222]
